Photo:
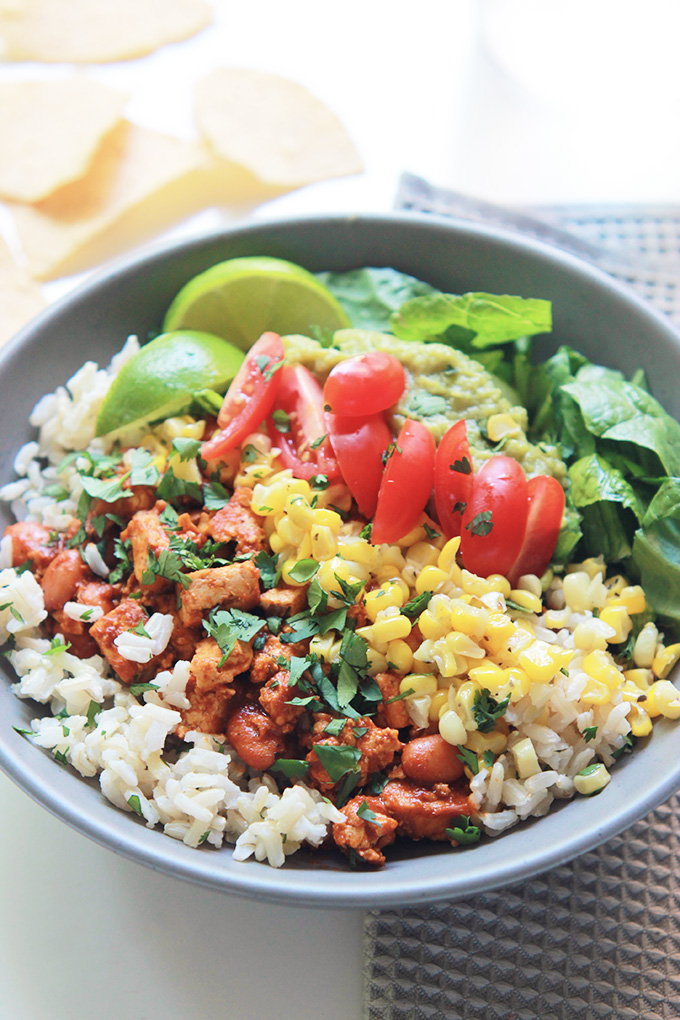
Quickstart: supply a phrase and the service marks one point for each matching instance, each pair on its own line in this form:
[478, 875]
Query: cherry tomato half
[406, 483]
[544, 519]
[495, 518]
[452, 478]
[364, 384]
[297, 426]
[359, 445]
[249, 398]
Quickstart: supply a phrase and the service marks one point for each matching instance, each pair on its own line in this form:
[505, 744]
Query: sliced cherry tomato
[495, 518]
[249, 398]
[452, 478]
[365, 384]
[297, 425]
[546, 507]
[406, 483]
[359, 445]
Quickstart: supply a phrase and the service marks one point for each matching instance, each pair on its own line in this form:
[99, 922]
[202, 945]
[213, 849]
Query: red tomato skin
[406, 484]
[452, 488]
[364, 384]
[359, 444]
[500, 486]
[544, 519]
[249, 398]
[301, 398]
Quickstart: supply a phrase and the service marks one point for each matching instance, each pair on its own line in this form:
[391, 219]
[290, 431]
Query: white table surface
[513, 101]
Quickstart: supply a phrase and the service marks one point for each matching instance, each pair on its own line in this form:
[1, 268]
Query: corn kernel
[304, 550]
[527, 600]
[581, 592]
[462, 701]
[593, 633]
[499, 629]
[600, 666]
[488, 674]
[356, 549]
[399, 656]
[377, 662]
[633, 598]
[664, 660]
[323, 542]
[299, 511]
[555, 619]
[430, 627]
[530, 583]
[480, 742]
[452, 729]
[290, 532]
[328, 519]
[474, 585]
[381, 598]
[594, 567]
[642, 678]
[419, 683]
[439, 700]
[321, 646]
[461, 644]
[285, 574]
[645, 646]
[595, 692]
[618, 618]
[430, 578]
[447, 557]
[591, 779]
[499, 584]
[663, 698]
[615, 585]
[391, 628]
[526, 761]
[277, 544]
[517, 681]
[540, 661]
[640, 722]
[468, 619]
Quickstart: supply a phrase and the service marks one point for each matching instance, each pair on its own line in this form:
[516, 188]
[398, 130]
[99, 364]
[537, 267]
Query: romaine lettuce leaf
[488, 319]
[370, 295]
[656, 552]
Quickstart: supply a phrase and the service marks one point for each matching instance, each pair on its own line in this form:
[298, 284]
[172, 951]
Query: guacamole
[443, 385]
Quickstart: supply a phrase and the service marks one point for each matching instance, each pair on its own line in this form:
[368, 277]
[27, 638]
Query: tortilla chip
[20, 297]
[139, 182]
[96, 31]
[273, 128]
[50, 131]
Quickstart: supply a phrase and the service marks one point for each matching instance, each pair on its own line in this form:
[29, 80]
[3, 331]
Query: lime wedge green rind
[162, 378]
[242, 298]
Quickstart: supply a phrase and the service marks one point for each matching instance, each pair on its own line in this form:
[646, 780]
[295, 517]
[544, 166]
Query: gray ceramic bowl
[591, 312]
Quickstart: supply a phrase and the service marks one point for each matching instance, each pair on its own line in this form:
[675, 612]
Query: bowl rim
[326, 886]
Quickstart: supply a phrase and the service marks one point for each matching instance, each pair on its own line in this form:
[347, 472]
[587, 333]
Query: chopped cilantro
[364, 812]
[463, 466]
[168, 564]
[171, 488]
[487, 711]
[338, 759]
[376, 784]
[398, 697]
[292, 768]
[92, 711]
[61, 757]
[187, 449]
[459, 507]
[250, 454]
[416, 605]
[135, 804]
[143, 471]
[481, 524]
[215, 496]
[317, 598]
[108, 490]
[464, 834]
[589, 733]
[281, 420]
[335, 727]
[468, 758]
[141, 688]
[140, 630]
[391, 449]
[431, 533]
[303, 570]
[425, 404]
[57, 645]
[348, 592]
[319, 482]
[227, 626]
[122, 551]
[487, 758]
[268, 568]
[316, 443]
[366, 532]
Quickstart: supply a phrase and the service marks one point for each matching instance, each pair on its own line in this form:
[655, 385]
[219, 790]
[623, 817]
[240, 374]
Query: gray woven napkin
[599, 937]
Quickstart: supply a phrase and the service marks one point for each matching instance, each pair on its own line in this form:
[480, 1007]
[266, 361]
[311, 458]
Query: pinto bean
[431, 760]
[254, 736]
[60, 580]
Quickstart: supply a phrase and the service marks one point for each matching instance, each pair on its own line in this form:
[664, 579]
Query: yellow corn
[324, 543]
[474, 585]
[617, 617]
[517, 681]
[430, 627]
[290, 533]
[526, 761]
[591, 779]
[640, 722]
[419, 683]
[304, 550]
[527, 600]
[321, 646]
[382, 598]
[499, 629]
[285, 574]
[430, 578]
[632, 597]
[299, 511]
[664, 660]
[645, 646]
[642, 678]
[359, 551]
[488, 674]
[462, 701]
[499, 584]
[555, 619]
[439, 700]
[447, 557]
[399, 656]
[615, 585]
[593, 566]
[391, 628]
[468, 619]
[328, 519]
[540, 661]
[452, 729]
[481, 742]
[377, 661]
[595, 692]
[663, 698]
[599, 666]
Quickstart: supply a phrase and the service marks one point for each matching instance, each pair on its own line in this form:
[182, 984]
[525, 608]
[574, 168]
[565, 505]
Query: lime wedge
[161, 379]
[244, 297]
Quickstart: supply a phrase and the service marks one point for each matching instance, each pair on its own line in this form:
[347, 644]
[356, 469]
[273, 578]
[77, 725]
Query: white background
[514, 101]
